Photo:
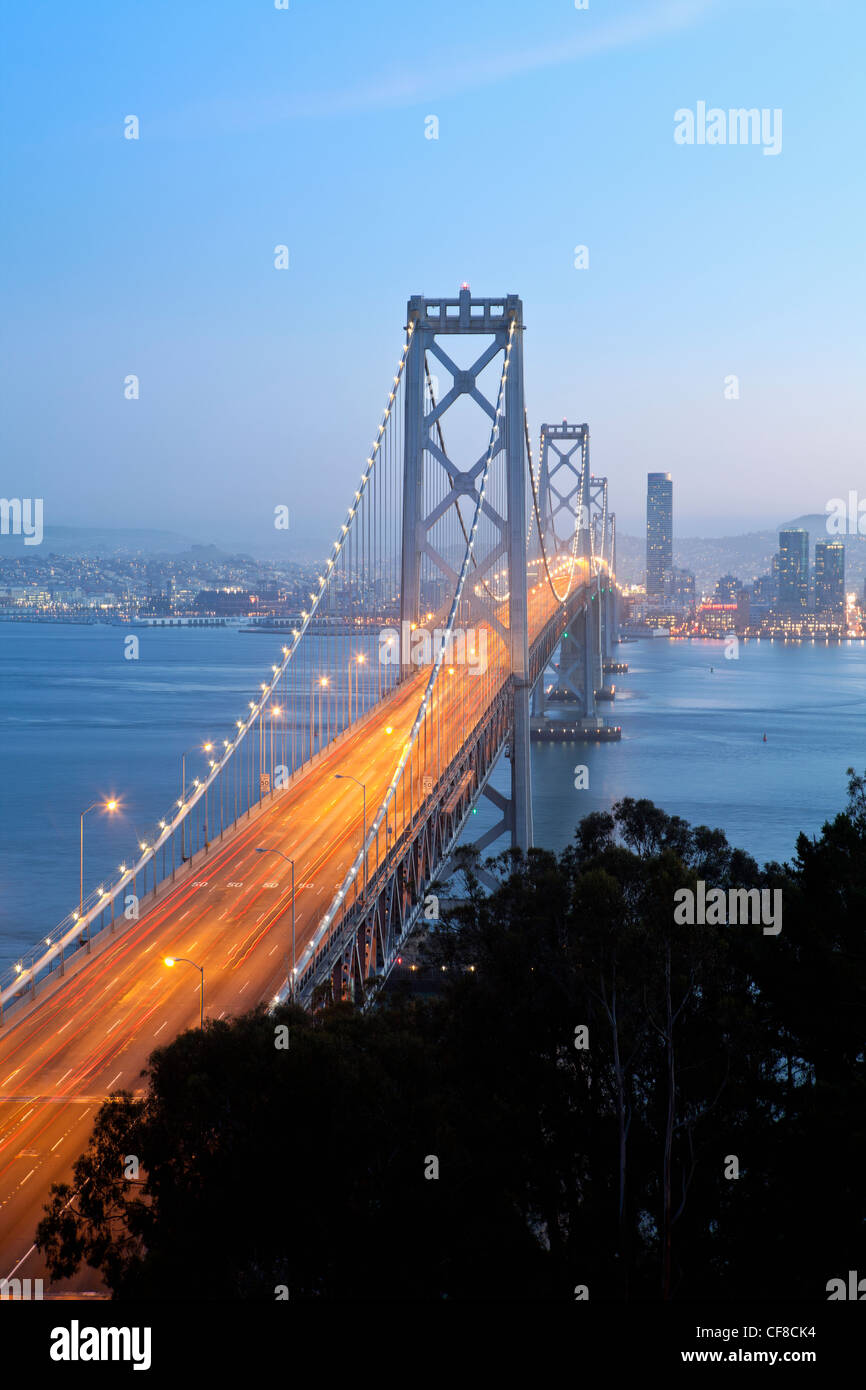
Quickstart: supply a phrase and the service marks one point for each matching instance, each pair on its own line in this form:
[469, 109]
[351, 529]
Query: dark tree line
[591, 1079]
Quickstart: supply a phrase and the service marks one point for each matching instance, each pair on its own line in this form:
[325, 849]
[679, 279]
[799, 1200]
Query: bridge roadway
[92, 1031]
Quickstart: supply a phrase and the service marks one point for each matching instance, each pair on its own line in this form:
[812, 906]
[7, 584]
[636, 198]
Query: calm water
[78, 723]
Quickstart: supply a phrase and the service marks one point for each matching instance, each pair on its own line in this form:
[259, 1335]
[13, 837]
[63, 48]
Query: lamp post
[347, 777]
[323, 685]
[359, 661]
[183, 960]
[212, 763]
[107, 806]
[262, 849]
[205, 748]
[275, 714]
[262, 736]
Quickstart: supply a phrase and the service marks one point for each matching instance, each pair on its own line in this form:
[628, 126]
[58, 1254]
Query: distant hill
[745, 556]
[99, 540]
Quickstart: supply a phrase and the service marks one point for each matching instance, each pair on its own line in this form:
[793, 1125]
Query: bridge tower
[566, 497]
[600, 524]
[433, 483]
[564, 485]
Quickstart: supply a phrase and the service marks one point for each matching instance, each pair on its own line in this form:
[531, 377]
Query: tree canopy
[595, 1097]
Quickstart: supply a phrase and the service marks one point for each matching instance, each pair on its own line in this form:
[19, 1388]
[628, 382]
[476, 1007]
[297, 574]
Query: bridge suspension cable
[324, 682]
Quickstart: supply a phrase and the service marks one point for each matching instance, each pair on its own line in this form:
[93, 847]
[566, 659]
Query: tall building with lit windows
[793, 569]
[830, 577]
[659, 530]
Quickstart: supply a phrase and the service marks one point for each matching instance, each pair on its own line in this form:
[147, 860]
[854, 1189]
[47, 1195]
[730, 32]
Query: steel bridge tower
[564, 485]
[432, 321]
[568, 494]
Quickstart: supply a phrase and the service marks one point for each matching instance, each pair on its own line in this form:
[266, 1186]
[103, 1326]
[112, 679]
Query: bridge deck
[229, 910]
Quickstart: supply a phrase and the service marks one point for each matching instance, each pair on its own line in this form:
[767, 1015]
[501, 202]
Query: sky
[307, 127]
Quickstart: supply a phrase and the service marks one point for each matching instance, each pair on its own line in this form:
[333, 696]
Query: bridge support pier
[539, 699]
[610, 619]
[580, 659]
[521, 778]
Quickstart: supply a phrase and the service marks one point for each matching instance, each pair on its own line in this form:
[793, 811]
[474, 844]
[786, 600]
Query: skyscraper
[727, 588]
[659, 530]
[794, 569]
[830, 577]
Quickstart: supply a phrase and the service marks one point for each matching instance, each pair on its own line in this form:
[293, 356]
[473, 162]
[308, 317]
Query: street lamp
[182, 960]
[106, 806]
[359, 661]
[262, 849]
[323, 685]
[205, 748]
[275, 714]
[347, 777]
[353, 666]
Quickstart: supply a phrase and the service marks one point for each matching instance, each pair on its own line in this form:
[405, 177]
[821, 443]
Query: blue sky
[306, 127]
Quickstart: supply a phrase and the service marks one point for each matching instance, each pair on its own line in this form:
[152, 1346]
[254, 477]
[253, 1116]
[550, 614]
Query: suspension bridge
[466, 562]
[471, 580]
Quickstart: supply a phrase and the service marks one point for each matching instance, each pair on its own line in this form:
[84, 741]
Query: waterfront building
[679, 587]
[830, 577]
[716, 619]
[793, 569]
[727, 588]
[659, 531]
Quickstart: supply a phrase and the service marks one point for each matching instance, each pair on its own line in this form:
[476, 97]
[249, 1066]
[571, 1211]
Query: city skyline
[787, 598]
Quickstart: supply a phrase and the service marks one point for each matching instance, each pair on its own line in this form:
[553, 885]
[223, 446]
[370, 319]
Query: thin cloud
[394, 90]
